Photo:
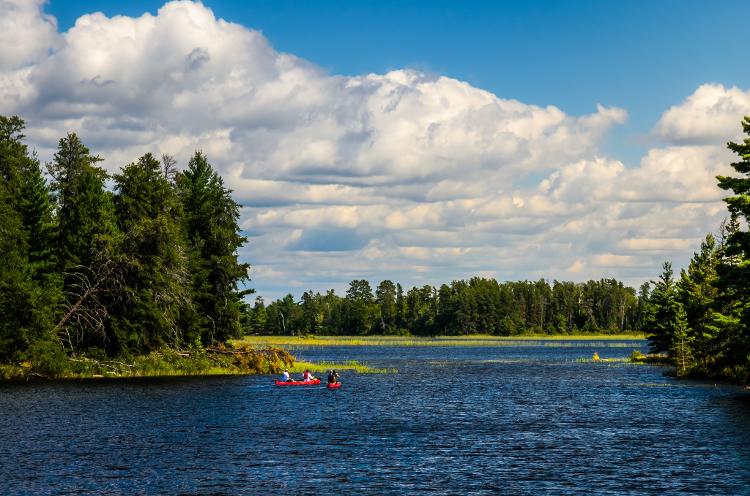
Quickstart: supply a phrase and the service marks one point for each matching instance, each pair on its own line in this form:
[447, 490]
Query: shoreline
[604, 340]
[269, 355]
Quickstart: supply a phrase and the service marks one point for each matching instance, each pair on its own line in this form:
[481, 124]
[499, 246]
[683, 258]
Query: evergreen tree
[385, 296]
[15, 285]
[360, 307]
[84, 243]
[155, 284]
[698, 294]
[84, 208]
[680, 348]
[29, 290]
[311, 314]
[661, 318]
[259, 317]
[211, 224]
[733, 318]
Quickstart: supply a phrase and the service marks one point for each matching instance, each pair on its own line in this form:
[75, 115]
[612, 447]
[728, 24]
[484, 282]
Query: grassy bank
[290, 342]
[234, 359]
[221, 360]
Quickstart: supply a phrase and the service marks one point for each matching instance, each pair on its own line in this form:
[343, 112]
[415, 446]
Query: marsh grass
[636, 357]
[650, 359]
[12, 372]
[478, 340]
[195, 361]
[351, 365]
[603, 360]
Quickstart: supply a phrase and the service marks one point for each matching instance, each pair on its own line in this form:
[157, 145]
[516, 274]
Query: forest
[701, 319]
[464, 307]
[145, 260]
[116, 266]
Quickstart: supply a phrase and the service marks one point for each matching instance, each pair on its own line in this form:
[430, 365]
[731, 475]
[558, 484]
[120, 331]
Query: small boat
[297, 383]
[333, 385]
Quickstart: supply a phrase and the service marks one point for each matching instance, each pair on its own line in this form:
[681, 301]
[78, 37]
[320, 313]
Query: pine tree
[681, 346]
[733, 319]
[698, 294]
[15, 286]
[662, 312]
[211, 226]
[154, 266]
[84, 241]
[29, 290]
[84, 207]
[385, 296]
[360, 308]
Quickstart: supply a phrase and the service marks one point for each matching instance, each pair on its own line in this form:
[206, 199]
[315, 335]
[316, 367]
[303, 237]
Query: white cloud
[404, 175]
[26, 34]
[708, 116]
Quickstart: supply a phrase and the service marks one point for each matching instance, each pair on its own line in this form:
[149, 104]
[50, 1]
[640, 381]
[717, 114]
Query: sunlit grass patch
[602, 360]
[351, 365]
[193, 361]
[12, 372]
[650, 359]
[478, 340]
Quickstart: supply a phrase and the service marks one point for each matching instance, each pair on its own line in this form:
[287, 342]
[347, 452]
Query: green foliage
[29, 290]
[92, 278]
[733, 312]
[154, 294]
[703, 321]
[212, 230]
[83, 206]
[463, 307]
[47, 358]
[681, 343]
[661, 319]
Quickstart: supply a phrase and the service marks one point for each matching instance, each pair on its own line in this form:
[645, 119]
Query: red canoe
[297, 383]
[333, 385]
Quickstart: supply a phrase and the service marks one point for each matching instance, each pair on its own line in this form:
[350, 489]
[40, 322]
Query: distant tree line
[702, 319]
[113, 265]
[464, 307]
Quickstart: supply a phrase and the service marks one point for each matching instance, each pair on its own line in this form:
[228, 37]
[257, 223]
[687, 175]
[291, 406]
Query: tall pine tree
[661, 319]
[734, 268]
[155, 292]
[211, 223]
[84, 243]
[29, 289]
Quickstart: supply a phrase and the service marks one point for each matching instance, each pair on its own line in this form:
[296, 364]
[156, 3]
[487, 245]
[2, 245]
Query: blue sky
[640, 55]
[417, 141]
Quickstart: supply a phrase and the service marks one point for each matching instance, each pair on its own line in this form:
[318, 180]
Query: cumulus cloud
[711, 114]
[26, 34]
[415, 177]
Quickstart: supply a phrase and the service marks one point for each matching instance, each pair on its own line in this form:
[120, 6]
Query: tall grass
[195, 361]
[291, 342]
[351, 365]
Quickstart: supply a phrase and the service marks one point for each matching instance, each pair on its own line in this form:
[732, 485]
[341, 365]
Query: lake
[453, 420]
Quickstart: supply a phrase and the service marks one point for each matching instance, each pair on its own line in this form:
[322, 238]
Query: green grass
[650, 359]
[351, 365]
[164, 363]
[291, 342]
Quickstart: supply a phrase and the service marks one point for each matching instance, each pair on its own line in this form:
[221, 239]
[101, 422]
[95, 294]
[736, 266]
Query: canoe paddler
[333, 377]
[286, 377]
[307, 376]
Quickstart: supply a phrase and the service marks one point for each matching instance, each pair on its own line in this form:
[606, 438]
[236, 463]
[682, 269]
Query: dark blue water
[514, 420]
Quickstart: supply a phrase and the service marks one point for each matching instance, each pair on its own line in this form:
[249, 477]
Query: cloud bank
[410, 176]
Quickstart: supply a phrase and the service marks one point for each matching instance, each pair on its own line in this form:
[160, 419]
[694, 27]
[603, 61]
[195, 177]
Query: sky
[416, 141]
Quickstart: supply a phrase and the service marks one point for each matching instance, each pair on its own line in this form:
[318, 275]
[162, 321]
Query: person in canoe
[307, 376]
[285, 377]
[333, 377]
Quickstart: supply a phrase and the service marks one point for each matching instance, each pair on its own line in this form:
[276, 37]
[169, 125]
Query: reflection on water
[451, 421]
